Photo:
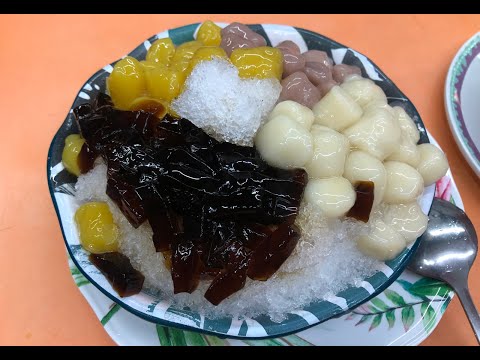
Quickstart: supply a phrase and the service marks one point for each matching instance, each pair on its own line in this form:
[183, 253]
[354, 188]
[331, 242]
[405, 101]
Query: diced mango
[73, 145]
[181, 66]
[204, 54]
[98, 232]
[183, 55]
[209, 33]
[185, 51]
[126, 82]
[164, 83]
[148, 65]
[261, 62]
[161, 51]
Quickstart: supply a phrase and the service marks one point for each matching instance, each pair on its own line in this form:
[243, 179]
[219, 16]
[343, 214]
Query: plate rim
[400, 267]
[449, 102]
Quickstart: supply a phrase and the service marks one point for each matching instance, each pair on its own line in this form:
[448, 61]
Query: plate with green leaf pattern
[164, 314]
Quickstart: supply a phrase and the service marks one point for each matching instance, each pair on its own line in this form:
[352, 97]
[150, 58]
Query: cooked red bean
[293, 61]
[298, 88]
[318, 56]
[342, 71]
[325, 87]
[318, 73]
[237, 35]
[290, 45]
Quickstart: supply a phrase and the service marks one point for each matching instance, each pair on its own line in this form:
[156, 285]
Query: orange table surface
[44, 61]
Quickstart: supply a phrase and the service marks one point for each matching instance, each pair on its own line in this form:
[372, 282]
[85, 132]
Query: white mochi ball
[378, 104]
[284, 143]
[364, 91]
[433, 163]
[406, 124]
[315, 129]
[407, 219]
[377, 133]
[295, 111]
[404, 183]
[337, 110]
[407, 152]
[352, 77]
[361, 166]
[333, 196]
[382, 243]
[330, 149]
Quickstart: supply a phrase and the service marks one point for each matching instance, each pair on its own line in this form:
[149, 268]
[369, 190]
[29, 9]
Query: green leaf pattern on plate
[379, 304]
[429, 291]
[445, 305]
[377, 319]
[428, 316]
[430, 287]
[113, 310]
[390, 316]
[395, 298]
[408, 316]
[78, 277]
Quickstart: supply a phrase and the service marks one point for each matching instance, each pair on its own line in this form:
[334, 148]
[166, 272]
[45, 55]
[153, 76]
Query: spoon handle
[469, 307]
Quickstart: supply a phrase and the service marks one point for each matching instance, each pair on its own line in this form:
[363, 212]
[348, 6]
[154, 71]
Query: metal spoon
[446, 252]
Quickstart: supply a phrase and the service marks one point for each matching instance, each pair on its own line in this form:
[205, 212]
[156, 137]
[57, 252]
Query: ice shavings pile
[224, 105]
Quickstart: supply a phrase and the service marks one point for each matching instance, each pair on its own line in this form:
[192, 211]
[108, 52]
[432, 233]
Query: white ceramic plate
[462, 100]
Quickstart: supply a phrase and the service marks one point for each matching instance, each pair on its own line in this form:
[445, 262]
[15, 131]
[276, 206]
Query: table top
[47, 58]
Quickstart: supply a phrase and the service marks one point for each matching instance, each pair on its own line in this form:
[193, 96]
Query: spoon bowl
[447, 251]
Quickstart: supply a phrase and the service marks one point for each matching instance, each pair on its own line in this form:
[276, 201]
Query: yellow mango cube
[126, 82]
[183, 55]
[73, 145]
[98, 232]
[161, 51]
[209, 34]
[148, 65]
[261, 62]
[164, 83]
[186, 51]
[204, 54]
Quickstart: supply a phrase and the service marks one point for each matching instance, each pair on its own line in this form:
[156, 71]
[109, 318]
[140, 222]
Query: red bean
[318, 73]
[298, 88]
[341, 71]
[236, 35]
[318, 56]
[290, 45]
[293, 61]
